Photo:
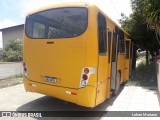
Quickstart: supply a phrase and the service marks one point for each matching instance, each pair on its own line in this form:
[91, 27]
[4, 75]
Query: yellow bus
[76, 53]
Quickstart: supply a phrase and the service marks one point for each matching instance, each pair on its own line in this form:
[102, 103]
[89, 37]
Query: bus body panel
[81, 96]
[91, 45]
[121, 65]
[65, 59]
[102, 79]
[103, 73]
[55, 60]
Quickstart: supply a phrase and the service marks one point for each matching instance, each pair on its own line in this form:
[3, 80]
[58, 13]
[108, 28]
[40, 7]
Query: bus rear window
[57, 23]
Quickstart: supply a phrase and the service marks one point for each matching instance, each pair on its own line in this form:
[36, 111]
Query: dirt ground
[10, 81]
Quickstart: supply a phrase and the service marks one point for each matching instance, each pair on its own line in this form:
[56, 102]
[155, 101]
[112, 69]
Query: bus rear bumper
[82, 96]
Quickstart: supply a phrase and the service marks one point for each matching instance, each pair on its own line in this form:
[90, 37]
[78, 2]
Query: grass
[1, 60]
[10, 81]
[144, 75]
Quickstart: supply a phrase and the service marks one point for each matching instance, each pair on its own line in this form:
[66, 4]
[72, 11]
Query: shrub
[13, 51]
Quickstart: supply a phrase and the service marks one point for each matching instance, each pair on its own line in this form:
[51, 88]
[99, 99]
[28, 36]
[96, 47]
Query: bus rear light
[86, 70]
[71, 93]
[85, 77]
[83, 83]
[25, 69]
[24, 64]
[33, 85]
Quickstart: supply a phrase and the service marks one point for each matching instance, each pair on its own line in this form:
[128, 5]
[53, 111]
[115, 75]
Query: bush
[13, 51]
[145, 75]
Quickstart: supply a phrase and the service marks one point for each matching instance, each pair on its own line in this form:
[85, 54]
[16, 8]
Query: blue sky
[10, 10]
[13, 12]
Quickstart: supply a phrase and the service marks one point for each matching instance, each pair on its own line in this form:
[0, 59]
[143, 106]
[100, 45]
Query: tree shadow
[145, 76]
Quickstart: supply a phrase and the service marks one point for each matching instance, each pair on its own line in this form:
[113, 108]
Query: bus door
[109, 40]
[102, 59]
[114, 59]
[131, 57]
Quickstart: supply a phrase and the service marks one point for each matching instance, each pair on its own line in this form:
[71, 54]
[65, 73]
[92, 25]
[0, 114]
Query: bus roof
[72, 4]
[76, 4]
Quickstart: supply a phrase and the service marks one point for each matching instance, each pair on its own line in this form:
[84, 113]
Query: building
[10, 33]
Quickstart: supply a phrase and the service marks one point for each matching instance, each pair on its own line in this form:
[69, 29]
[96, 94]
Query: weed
[145, 75]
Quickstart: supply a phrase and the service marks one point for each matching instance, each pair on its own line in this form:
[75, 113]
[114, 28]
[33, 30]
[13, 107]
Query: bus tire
[118, 79]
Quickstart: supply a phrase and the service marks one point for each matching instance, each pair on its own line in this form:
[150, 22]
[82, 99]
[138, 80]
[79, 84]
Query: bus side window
[127, 49]
[121, 42]
[109, 45]
[102, 34]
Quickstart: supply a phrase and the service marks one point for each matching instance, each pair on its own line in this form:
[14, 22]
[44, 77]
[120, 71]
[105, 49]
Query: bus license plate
[50, 79]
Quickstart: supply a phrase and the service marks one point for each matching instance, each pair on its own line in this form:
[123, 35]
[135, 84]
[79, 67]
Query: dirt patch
[10, 82]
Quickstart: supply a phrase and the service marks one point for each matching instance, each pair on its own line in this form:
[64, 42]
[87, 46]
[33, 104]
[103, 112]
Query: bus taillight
[25, 69]
[85, 77]
[86, 72]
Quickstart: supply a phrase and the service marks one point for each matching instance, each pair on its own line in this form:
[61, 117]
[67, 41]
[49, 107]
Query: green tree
[139, 26]
[152, 10]
[13, 51]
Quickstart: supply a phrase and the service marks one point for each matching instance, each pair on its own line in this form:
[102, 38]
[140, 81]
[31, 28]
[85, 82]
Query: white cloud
[113, 8]
[3, 24]
[7, 23]
[28, 5]
[122, 6]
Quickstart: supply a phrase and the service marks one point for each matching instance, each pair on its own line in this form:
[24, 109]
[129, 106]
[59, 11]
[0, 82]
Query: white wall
[1, 43]
[9, 69]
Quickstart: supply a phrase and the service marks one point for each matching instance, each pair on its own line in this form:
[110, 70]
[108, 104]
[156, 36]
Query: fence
[9, 69]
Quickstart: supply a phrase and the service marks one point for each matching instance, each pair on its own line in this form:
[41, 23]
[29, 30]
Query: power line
[117, 11]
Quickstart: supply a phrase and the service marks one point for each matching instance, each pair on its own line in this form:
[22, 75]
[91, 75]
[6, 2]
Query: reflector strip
[71, 93]
[68, 92]
[33, 85]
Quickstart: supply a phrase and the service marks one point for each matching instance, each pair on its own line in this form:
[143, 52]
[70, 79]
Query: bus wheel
[118, 78]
